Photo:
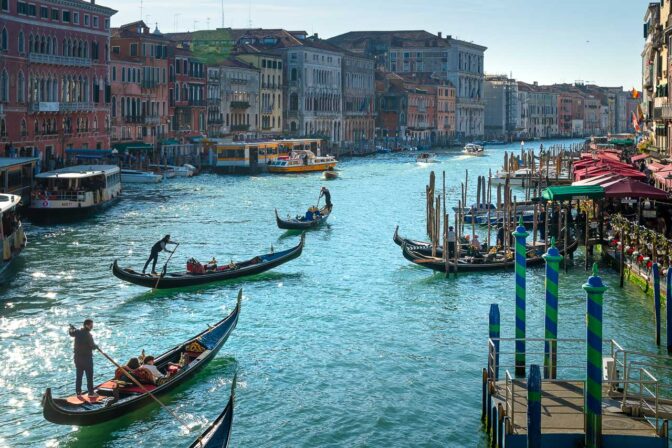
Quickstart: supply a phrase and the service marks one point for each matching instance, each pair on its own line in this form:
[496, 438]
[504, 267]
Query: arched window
[21, 89]
[4, 40]
[114, 106]
[24, 128]
[4, 86]
[22, 43]
[3, 128]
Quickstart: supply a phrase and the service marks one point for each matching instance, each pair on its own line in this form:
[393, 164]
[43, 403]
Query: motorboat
[12, 236]
[139, 177]
[301, 161]
[473, 149]
[74, 192]
[426, 157]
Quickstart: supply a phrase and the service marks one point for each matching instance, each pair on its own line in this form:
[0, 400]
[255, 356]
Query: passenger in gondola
[158, 247]
[148, 365]
[476, 244]
[500, 236]
[327, 197]
[121, 375]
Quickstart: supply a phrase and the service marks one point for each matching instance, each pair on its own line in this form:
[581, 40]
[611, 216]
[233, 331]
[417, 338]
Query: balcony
[53, 59]
[267, 110]
[61, 107]
[152, 119]
[240, 105]
[662, 110]
[240, 127]
[198, 103]
[133, 119]
[149, 83]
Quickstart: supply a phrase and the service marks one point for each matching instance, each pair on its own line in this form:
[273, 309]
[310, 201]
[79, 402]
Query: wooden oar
[165, 266]
[141, 386]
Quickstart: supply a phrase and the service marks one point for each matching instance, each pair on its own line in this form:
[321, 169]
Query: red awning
[603, 170]
[631, 188]
[639, 157]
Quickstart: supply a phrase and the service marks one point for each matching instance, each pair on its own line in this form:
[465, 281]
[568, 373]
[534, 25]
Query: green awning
[565, 193]
[622, 142]
[132, 146]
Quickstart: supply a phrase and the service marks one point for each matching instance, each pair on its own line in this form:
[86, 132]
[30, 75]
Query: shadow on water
[104, 433]
[191, 293]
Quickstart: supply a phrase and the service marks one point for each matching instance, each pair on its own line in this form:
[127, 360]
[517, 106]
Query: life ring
[45, 204]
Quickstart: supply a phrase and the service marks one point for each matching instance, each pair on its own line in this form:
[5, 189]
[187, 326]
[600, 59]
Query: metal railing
[152, 119]
[54, 59]
[240, 104]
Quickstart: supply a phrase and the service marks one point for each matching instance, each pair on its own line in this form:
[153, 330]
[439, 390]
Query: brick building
[54, 86]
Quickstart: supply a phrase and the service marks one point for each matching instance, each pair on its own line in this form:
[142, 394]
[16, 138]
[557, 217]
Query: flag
[635, 93]
[635, 122]
[640, 112]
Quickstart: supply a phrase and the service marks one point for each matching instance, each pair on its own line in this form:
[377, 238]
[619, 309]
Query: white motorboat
[140, 177]
[167, 171]
[473, 149]
[74, 192]
[426, 157]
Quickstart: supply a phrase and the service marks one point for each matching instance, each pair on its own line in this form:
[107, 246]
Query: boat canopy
[565, 193]
[91, 153]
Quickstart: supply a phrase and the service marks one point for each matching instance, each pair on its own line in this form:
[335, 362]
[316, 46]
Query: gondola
[218, 433]
[422, 246]
[256, 265]
[116, 401]
[300, 223]
[423, 257]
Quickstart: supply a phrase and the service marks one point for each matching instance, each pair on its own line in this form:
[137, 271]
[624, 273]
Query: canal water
[349, 345]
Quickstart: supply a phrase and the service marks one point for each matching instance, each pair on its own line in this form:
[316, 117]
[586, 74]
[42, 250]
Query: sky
[594, 41]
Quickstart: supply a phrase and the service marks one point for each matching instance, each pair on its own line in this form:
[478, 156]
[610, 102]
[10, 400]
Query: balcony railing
[133, 119]
[662, 111]
[149, 83]
[240, 105]
[216, 121]
[198, 103]
[240, 127]
[152, 119]
[61, 107]
[54, 59]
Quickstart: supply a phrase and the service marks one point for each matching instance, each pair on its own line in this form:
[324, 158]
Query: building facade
[420, 52]
[189, 93]
[358, 99]
[502, 107]
[271, 89]
[54, 84]
[240, 90]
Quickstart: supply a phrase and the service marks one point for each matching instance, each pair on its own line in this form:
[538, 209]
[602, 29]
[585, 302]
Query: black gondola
[218, 433]
[117, 401]
[422, 246]
[301, 223]
[256, 265]
[422, 257]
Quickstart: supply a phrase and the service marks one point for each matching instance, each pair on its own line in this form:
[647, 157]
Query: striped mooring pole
[534, 407]
[655, 272]
[553, 259]
[668, 301]
[521, 263]
[493, 320]
[595, 297]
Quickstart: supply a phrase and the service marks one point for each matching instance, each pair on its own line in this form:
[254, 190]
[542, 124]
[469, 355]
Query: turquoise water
[349, 345]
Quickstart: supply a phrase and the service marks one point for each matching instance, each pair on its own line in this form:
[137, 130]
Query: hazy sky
[596, 41]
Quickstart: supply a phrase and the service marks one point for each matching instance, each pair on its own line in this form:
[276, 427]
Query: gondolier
[83, 357]
[327, 197]
[158, 247]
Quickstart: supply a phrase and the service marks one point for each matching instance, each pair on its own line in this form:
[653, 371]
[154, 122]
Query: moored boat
[74, 192]
[12, 236]
[218, 433]
[139, 177]
[168, 172]
[199, 274]
[301, 161]
[116, 400]
[426, 157]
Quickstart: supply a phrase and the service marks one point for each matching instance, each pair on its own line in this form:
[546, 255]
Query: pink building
[54, 85]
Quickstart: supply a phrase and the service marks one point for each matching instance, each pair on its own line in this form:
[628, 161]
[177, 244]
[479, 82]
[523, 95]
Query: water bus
[74, 192]
[12, 237]
[302, 161]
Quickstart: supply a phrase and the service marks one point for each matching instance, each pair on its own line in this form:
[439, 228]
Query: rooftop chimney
[439, 34]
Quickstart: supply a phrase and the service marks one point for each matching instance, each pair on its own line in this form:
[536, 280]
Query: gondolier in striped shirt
[158, 247]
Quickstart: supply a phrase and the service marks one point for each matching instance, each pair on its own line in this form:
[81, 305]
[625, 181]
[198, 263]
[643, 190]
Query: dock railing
[628, 376]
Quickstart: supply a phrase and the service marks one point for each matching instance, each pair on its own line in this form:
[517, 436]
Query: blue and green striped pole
[494, 334]
[534, 407]
[595, 297]
[668, 305]
[655, 272]
[521, 263]
[553, 259]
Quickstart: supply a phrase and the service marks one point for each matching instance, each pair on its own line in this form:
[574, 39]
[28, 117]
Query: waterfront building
[215, 119]
[391, 105]
[445, 112]
[454, 60]
[655, 64]
[271, 87]
[542, 110]
[54, 85]
[142, 110]
[189, 93]
[358, 99]
[502, 111]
